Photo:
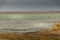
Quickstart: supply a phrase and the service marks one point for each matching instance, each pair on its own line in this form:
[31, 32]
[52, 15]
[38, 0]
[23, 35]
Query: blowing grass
[30, 36]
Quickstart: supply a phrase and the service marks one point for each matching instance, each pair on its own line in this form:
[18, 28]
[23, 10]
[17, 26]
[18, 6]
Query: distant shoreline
[32, 12]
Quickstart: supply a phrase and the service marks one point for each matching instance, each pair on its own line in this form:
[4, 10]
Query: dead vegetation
[39, 35]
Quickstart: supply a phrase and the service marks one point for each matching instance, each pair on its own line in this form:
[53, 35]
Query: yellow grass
[40, 35]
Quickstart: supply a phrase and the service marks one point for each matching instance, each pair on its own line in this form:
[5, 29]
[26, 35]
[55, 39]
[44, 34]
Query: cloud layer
[29, 5]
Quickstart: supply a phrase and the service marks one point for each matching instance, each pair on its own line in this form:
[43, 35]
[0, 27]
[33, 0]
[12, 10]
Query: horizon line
[29, 11]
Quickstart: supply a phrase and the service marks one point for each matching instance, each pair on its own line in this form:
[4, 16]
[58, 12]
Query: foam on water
[21, 26]
[26, 22]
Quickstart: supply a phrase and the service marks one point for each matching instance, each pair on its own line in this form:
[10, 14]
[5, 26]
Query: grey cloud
[23, 5]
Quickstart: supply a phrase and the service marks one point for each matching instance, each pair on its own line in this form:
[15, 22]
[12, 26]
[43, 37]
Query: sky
[29, 5]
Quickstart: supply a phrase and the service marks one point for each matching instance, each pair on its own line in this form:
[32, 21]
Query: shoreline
[32, 12]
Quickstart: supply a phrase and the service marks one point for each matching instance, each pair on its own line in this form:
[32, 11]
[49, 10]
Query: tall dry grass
[30, 36]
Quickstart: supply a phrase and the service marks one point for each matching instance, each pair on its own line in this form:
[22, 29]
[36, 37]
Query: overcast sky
[29, 5]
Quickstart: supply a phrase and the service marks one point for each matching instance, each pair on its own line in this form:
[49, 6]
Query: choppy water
[23, 26]
[26, 22]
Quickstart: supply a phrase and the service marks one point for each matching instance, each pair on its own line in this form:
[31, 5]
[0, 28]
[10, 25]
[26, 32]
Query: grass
[30, 36]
